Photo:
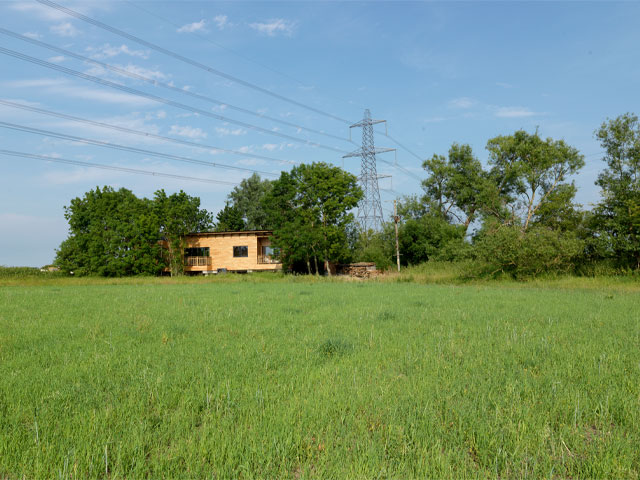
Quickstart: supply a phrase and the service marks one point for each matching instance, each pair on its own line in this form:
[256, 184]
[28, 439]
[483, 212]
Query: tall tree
[530, 171]
[457, 188]
[247, 199]
[309, 209]
[111, 233]
[179, 214]
[617, 216]
[230, 219]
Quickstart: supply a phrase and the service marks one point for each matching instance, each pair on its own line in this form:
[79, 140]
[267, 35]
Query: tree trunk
[308, 265]
[315, 261]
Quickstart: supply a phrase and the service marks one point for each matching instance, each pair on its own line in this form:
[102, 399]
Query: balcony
[197, 261]
[267, 259]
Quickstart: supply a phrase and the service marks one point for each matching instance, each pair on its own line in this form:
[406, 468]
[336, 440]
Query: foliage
[507, 249]
[426, 238]
[229, 219]
[114, 233]
[309, 209]
[178, 215]
[377, 247]
[247, 198]
[457, 187]
[616, 220]
[529, 172]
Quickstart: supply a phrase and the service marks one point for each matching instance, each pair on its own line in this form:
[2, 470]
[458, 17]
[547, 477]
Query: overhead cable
[110, 167]
[184, 59]
[168, 86]
[131, 131]
[155, 98]
[115, 146]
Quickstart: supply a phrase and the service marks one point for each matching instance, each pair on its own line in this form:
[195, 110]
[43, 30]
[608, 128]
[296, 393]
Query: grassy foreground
[322, 379]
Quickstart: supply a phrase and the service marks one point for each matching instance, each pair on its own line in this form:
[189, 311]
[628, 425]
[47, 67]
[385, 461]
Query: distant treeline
[514, 216]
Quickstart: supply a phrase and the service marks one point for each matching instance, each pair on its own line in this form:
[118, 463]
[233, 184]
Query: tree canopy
[114, 233]
[309, 209]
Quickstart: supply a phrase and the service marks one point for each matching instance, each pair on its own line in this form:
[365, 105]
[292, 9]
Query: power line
[234, 52]
[184, 59]
[115, 146]
[110, 167]
[138, 132]
[165, 85]
[155, 98]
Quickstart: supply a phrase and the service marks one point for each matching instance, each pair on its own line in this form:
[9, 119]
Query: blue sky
[438, 72]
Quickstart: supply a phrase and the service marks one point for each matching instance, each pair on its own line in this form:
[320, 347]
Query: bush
[527, 254]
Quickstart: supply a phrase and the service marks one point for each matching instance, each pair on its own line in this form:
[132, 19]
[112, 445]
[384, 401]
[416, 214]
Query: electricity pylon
[369, 209]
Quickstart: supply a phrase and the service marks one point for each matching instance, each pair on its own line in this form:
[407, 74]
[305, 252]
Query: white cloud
[193, 27]
[64, 30]
[221, 131]
[145, 72]
[109, 51]
[221, 21]
[462, 102]
[57, 59]
[34, 35]
[514, 112]
[187, 131]
[504, 85]
[274, 27]
[63, 87]
[270, 147]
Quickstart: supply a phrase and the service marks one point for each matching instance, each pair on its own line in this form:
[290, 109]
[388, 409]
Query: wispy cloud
[193, 27]
[274, 27]
[187, 131]
[462, 102]
[57, 59]
[58, 86]
[109, 51]
[221, 131]
[34, 35]
[221, 21]
[504, 85]
[514, 112]
[270, 147]
[64, 30]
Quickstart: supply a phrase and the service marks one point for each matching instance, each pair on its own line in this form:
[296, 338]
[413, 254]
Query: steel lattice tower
[370, 208]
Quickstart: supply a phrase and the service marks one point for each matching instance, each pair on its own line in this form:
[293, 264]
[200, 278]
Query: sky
[279, 83]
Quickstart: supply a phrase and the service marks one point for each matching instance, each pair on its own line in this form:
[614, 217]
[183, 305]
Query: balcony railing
[197, 261]
[267, 259]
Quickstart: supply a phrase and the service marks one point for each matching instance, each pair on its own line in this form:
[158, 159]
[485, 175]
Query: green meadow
[311, 378]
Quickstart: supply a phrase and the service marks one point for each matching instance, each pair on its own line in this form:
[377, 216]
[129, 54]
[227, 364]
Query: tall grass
[304, 378]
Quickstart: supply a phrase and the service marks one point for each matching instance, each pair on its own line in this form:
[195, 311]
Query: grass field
[301, 378]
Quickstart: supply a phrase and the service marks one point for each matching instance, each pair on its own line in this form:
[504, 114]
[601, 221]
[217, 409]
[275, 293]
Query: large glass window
[269, 252]
[242, 251]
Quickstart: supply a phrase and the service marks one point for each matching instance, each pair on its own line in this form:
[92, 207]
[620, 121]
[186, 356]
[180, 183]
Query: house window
[196, 252]
[242, 251]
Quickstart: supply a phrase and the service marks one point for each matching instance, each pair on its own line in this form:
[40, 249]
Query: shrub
[525, 254]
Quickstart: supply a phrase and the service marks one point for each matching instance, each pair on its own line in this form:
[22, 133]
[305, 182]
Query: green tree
[617, 216]
[309, 209]
[529, 172]
[457, 188]
[111, 233]
[179, 214]
[229, 219]
[247, 199]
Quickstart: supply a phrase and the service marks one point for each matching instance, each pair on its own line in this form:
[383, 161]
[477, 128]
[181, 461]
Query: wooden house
[215, 252]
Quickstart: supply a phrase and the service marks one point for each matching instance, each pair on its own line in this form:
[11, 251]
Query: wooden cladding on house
[233, 251]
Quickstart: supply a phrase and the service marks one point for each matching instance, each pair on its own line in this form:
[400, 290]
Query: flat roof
[242, 232]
